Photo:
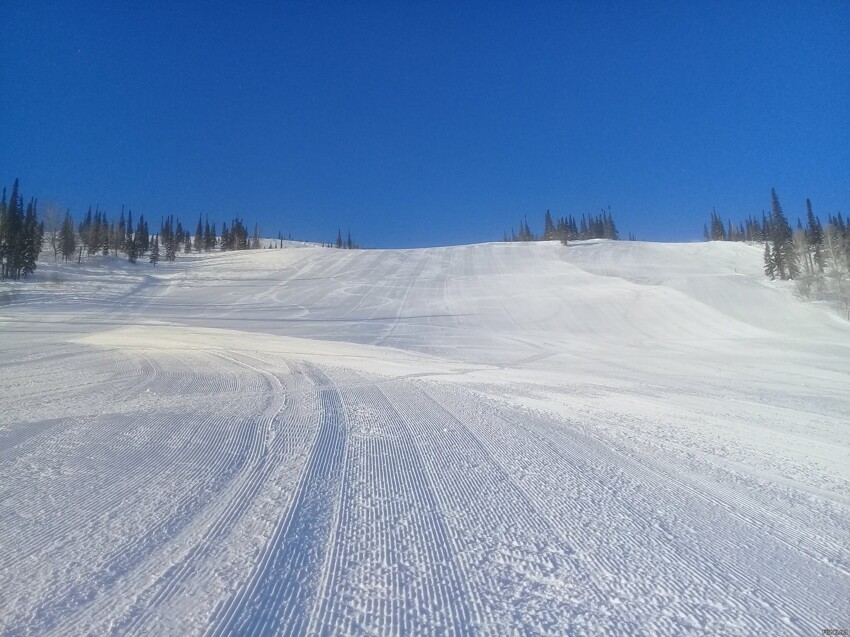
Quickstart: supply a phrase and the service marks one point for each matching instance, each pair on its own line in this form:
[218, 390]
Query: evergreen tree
[609, 228]
[13, 222]
[548, 227]
[67, 238]
[814, 236]
[769, 262]
[155, 251]
[525, 233]
[142, 239]
[226, 242]
[85, 230]
[169, 238]
[199, 236]
[121, 232]
[21, 235]
[785, 257]
[237, 236]
[31, 240]
[3, 248]
[718, 233]
[130, 240]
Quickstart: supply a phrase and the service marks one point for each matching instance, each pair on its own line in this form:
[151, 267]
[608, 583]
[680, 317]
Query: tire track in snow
[120, 473]
[203, 477]
[238, 502]
[516, 565]
[195, 453]
[654, 516]
[391, 569]
[281, 590]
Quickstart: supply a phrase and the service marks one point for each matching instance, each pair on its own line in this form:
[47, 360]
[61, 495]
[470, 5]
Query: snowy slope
[489, 439]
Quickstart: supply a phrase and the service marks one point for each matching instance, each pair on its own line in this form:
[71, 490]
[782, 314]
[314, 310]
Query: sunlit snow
[618, 437]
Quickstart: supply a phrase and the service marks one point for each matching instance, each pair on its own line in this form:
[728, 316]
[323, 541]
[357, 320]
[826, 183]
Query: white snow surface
[496, 439]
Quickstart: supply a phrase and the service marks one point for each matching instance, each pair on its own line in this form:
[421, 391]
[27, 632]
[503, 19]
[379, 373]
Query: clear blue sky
[428, 123]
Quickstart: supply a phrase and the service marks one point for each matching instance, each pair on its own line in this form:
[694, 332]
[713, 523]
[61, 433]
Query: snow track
[491, 439]
[392, 563]
[280, 590]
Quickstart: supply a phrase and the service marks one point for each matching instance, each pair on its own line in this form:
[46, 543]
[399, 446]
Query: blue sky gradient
[419, 124]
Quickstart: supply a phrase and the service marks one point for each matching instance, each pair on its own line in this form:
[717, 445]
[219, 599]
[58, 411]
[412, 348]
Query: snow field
[490, 439]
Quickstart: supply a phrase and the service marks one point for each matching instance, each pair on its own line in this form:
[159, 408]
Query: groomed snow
[610, 437]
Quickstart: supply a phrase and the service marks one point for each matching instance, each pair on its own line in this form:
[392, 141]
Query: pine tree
[718, 233]
[3, 208]
[85, 231]
[226, 239]
[784, 255]
[609, 228]
[208, 237]
[67, 238]
[814, 236]
[121, 233]
[31, 240]
[548, 227]
[169, 239]
[769, 262]
[13, 223]
[199, 235]
[21, 235]
[155, 251]
[130, 240]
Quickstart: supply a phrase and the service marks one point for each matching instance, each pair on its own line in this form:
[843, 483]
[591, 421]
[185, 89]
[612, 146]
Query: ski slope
[491, 439]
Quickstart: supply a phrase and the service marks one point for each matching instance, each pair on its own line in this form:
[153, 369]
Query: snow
[489, 439]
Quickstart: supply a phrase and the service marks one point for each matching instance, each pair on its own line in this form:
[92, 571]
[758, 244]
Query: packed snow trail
[489, 439]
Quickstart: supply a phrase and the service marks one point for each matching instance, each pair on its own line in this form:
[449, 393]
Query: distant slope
[727, 277]
[492, 300]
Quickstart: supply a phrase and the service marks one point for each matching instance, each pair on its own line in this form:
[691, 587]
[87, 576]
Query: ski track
[585, 440]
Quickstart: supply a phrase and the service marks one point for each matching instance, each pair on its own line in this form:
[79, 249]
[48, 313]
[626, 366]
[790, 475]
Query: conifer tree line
[752, 229]
[21, 235]
[98, 236]
[566, 229]
[815, 256]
